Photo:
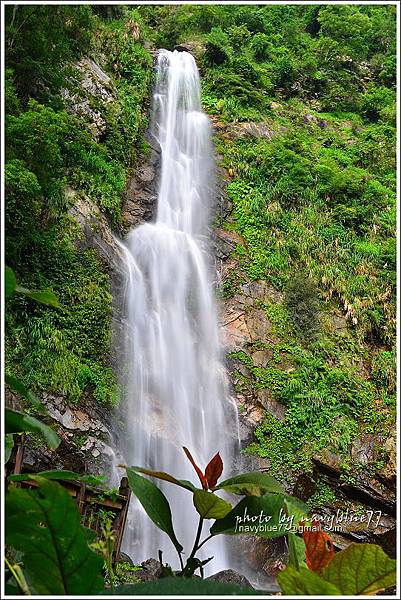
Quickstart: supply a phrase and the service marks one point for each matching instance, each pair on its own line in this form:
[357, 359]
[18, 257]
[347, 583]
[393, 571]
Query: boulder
[259, 326]
[261, 358]
[151, 570]
[230, 576]
[268, 555]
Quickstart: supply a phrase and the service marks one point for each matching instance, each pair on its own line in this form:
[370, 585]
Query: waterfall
[176, 393]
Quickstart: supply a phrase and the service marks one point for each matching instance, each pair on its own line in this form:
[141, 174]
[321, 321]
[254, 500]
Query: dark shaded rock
[366, 448]
[328, 462]
[261, 357]
[388, 541]
[194, 47]
[304, 487]
[260, 290]
[230, 576]
[40, 458]
[226, 242]
[272, 406]
[267, 555]
[367, 494]
[314, 120]
[140, 196]
[123, 557]
[151, 570]
[368, 491]
[182, 48]
[259, 326]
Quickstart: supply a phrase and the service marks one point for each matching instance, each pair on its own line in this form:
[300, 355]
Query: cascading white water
[175, 382]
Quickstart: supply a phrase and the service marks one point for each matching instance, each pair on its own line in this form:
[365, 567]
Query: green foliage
[384, 370]
[358, 570]
[58, 475]
[155, 504]
[125, 573]
[44, 524]
[270, 525]
[10, 281]
[67, 350]
[301, 299]
[18, 422]
[251, 484]
[210, 506]
[217, 49]
[48, 147]
[264, 497]
[42, 43]
[177, 586]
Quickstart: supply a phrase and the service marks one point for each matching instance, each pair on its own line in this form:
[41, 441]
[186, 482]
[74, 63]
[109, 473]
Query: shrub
[301, 300]
[218, 49]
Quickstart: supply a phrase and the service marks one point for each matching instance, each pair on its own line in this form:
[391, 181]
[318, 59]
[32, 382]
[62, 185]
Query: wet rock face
[140, 197]
[95, 85]
[96, 231]
[86, 439]
[373, 496]
[244, 326]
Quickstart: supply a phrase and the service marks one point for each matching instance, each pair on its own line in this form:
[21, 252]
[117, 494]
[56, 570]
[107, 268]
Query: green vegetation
[313, 566]
[51, 145]
[43, 529]
[314, 201]
[312, 192]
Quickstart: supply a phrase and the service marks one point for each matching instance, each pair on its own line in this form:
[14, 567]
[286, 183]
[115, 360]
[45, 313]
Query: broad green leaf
[304, 583]
[210, 506]
[8, 446]
[182, 586]
[254, 515]
[253, 483]
[17, 386]
[10, 282]
[296, 551]
[154, 502]
[59, 475]
[44, 524]
[296, 509]
[361, 569]
[44, 297]
[166, 477]
[17, 422]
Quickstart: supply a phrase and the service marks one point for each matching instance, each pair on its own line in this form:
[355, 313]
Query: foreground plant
[360, 569]
[313, 567]
[262, 495]
[51, 553]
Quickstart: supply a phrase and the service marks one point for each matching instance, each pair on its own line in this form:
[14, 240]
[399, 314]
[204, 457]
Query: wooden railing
[94, 504]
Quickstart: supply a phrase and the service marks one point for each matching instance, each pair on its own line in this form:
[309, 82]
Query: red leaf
[214, 470]
[201, 476]
[319, 549]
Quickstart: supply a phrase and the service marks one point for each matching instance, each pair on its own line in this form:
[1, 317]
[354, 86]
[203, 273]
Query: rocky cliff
[251, 341]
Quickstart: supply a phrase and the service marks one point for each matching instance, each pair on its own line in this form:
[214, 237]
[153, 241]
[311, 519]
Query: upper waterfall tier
[183, 133]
